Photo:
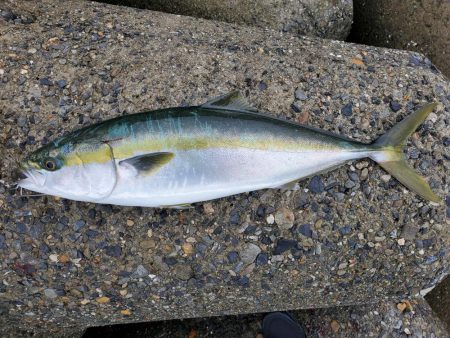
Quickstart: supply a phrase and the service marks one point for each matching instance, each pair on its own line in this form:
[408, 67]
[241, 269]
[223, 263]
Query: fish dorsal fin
[147, 163]
[230, 101]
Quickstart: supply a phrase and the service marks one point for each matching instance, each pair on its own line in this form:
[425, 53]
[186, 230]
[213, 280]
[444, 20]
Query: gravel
[148, 60]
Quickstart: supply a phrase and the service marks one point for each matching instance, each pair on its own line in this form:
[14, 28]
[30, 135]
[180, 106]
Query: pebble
[262, 259]
[249, 252]
[395, 106]
[113, 250]
[364, 174]
[401, 241]
[232, 257]
[300, 95]
[316, 185]
[270, 219]
[284, 218]
[284, 245]
[187, 248]
[334, 324]
[345, 230]
[305, 230]
[141, 271]
[78, 225]
[350, 184]
[385, 178]
[347, 110]
[102, 300]
[183, 272]
[50, 293]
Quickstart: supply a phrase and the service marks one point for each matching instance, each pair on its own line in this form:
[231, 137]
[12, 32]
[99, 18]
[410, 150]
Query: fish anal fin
[231, 101]
[148, 163]
[182, 206]
[290, 186]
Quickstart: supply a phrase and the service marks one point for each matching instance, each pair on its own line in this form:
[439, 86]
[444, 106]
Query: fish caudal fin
[391, 158]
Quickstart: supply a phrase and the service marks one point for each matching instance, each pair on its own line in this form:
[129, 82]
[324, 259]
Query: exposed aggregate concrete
[347, 237]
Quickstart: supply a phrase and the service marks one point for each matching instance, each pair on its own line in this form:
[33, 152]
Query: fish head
[73, 169]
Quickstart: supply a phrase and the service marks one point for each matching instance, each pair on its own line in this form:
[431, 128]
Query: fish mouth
[28, 176]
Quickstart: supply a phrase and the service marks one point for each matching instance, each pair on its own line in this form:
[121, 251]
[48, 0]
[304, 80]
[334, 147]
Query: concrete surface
[356, 235]
[422, 26]
[413, 319]
[331, 19]
[439, 300]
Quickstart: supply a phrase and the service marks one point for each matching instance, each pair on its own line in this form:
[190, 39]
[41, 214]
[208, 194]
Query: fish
[177, 156]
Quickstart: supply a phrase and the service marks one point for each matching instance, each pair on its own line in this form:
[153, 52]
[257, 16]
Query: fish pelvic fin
[391, 158]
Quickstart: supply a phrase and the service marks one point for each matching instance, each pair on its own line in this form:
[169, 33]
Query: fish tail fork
[391, 158]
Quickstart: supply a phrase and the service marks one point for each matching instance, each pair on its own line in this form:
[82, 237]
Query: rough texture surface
[357, 235]
[403, 319]
[331, 19]
[439, 300]
[422, 26]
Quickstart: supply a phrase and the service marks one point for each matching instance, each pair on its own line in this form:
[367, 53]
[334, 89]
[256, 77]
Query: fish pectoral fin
[148, 163]
[230, 101]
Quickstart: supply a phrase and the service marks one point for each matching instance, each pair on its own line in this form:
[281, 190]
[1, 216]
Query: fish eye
[50, 164]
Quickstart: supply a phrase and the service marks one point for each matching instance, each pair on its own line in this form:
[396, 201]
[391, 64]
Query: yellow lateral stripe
[126, 149]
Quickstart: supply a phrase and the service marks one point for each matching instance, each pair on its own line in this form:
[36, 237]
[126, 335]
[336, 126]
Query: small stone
[270, 219]
[284, 245]
[401, 241]
[334, 325]
[46, 82]
[284, 218]
[147, 244]
[232, 257]
[64, 259]
[102, 300]
[404, 306]
[50, 293]
[187, 248]
[53, 258]
[349, 184]
[126, 312]
[316, 185]
[32, 50]
[21, 228]
[85, 301]
[300, 95]
[249, 252]
[130, 222]
[409, 231]
[141, 271]
[22, 121]
[364, 174]
[386, 178]
[61, 83]
[303, 117]
[305, 230]
[208, 208]
[395, 106]
[113, 250]
[342, 266]
[347, 110]
[262, 259]
[345, 230]
[79, 224]
[183, 272]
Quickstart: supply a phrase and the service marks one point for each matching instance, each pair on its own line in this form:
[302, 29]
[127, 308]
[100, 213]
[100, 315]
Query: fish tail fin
[391, 158]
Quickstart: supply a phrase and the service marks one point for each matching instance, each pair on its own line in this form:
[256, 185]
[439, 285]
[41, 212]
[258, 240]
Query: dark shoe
[281, 325]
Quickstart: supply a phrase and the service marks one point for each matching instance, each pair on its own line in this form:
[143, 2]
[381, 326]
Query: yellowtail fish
[178, 156]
